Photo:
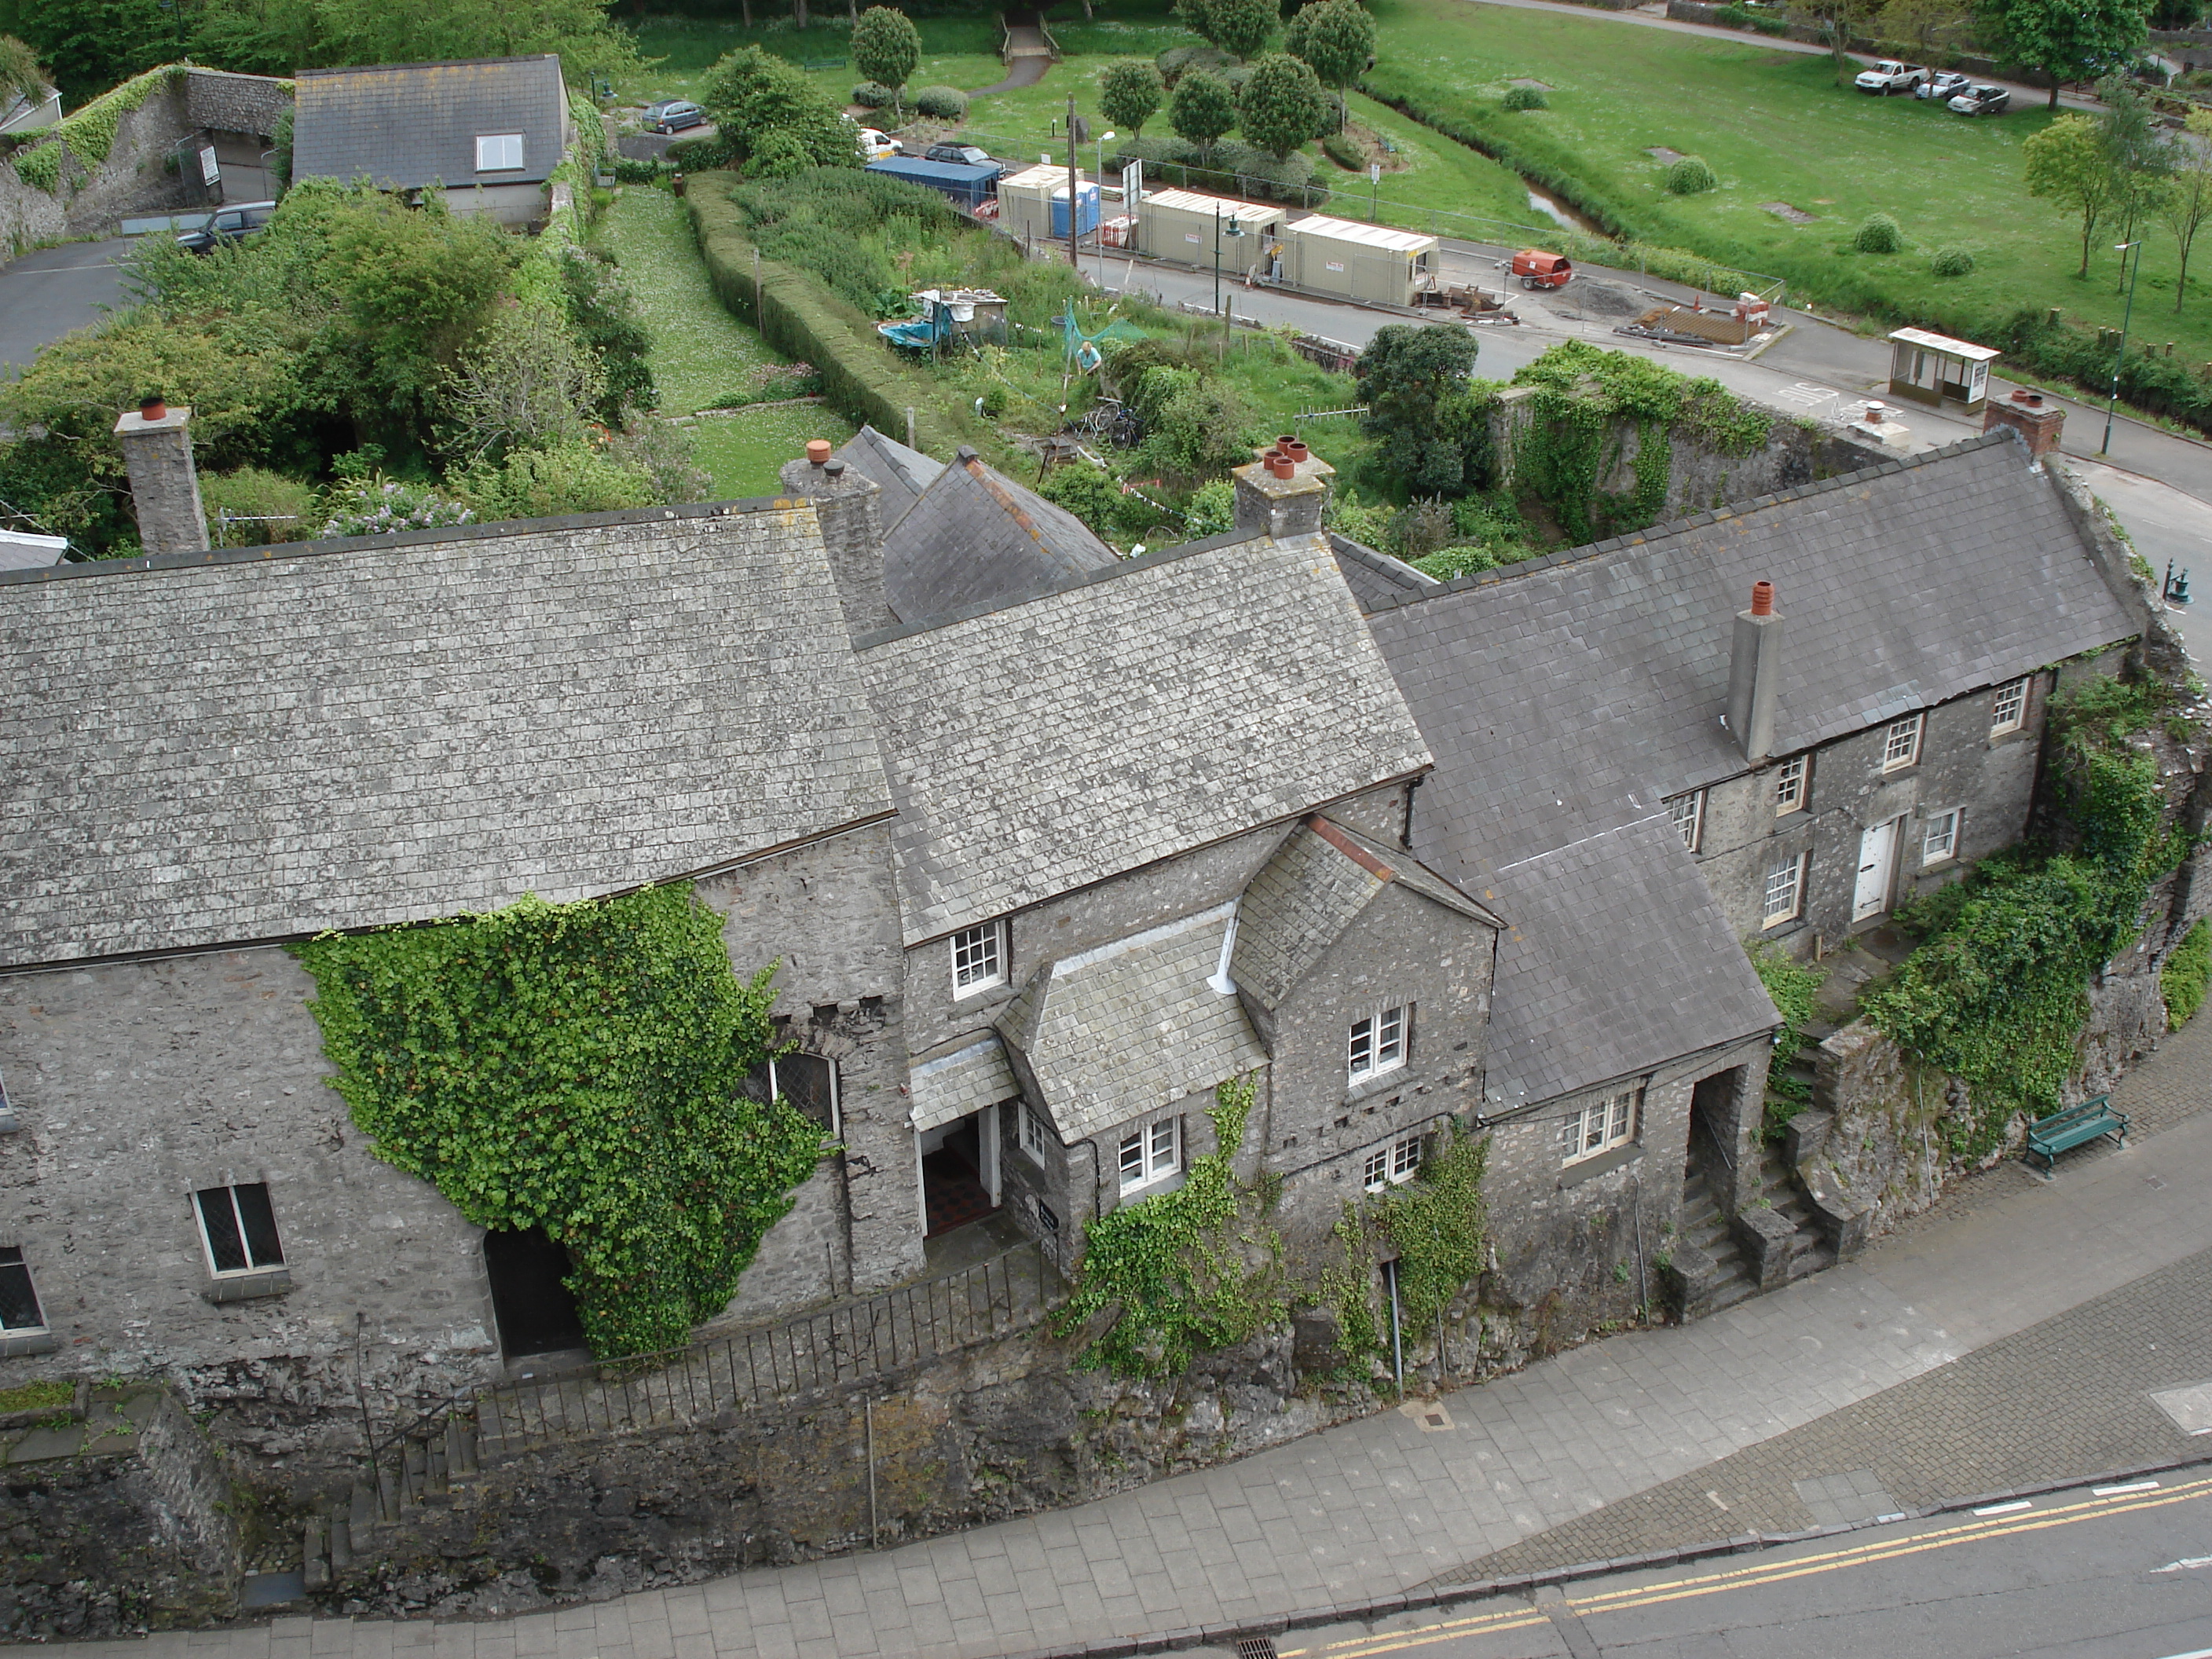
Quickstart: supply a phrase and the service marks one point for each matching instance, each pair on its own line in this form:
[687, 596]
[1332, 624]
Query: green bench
[2074, 1126]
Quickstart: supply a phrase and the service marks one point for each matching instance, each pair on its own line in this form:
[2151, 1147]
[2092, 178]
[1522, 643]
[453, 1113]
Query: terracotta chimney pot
[1762, 599]
[818, 451]
[153, 407]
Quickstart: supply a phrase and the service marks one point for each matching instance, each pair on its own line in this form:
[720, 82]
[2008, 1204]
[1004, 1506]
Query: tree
[2068, 163]
[20, 73]
[90, 45]
[1241, 27]
[1202, 109]
[752, 96]
[1281, 105]
[2186, 202]
[2136, 148]
[1337, 38]
[886, 46]
[1836, 21]
[1412, 378]
[418, 286]
[2066, 39]
[1197, 16]
[1918, 22]
[1130, 94]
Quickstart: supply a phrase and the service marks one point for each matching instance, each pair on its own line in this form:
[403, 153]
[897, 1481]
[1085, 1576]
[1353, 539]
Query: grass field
[1777, 129]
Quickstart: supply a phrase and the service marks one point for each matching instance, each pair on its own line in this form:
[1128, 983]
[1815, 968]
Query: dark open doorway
[1713, 1108]
[535, 1310]
[953, 1188]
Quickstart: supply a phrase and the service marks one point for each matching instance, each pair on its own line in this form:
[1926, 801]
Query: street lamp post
[1235, 229]
[1104, 139]
[2119, 356]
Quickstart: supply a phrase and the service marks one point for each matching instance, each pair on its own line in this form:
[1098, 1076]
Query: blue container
[1087, 212]
[968, 185]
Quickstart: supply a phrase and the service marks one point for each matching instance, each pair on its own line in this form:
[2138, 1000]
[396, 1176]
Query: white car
[875, 144]
[1889, 75]
[1941, 87]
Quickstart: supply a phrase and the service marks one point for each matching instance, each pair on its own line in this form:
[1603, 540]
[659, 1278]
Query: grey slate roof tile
[975, 537]
[900, 473]
[1376, 579]
[1125, 1030]
[1165, 704]
[409, 125]
[947, 1087]
[345, 734]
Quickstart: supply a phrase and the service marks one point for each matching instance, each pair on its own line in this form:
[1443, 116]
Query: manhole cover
[2190, 1408]
[1845, 1500]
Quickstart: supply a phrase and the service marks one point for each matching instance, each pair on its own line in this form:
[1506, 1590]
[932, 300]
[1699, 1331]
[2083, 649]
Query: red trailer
[1537, 269]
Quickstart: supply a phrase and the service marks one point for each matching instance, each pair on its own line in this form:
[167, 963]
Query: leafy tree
[418, 285]
[1202, 109]
[1836, 21]
[90, 45]
[1918, 22]
[1241, 27]
[2185, 203]
[2066, 39]
[886, 46]
[1197, 16]
[2068, 163]
[2136, 148]
[527, 383]
[1413, 379]
[2177, 14]
[1337, 38]
[1130, 93]
[751, 95]
[1281, 105]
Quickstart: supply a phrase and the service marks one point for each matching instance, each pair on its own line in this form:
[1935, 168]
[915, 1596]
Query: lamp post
[1235, 229]
[2127, 312]
[1104, 139]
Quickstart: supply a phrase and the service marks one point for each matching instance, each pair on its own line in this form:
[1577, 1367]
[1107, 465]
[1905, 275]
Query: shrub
[942, 103]
[754, 97]
[697, 155]
[1690, 177]
[1447, 562]
[872, 94]
[1212, 510]
[546, 483]
[1130, 93]
[1520, 98]
[1174, 63]
[1341, 149]
[1952, 262]
[2182, 980]
[1878, 234]
[629, 170]
[386, 507]
[255, 493]
[1087, 491]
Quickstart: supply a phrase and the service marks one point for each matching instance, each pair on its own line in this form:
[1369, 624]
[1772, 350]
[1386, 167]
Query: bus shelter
[1931, 368]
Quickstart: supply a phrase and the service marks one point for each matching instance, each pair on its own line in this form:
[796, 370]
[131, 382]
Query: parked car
[875, 144]
[673, 115]
[1982, 101]
[1943, 88]
[1889, 75]
[973, 155]
[228, 224]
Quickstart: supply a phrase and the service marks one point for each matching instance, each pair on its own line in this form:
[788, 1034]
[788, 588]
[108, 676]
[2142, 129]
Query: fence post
[868, 1413]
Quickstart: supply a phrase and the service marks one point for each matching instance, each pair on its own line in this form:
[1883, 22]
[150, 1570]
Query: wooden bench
[2074, 1126]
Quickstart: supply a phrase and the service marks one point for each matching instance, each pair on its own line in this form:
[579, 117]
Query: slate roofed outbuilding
[975, 537]
[406, 126]
[243, 746]
[899, 472]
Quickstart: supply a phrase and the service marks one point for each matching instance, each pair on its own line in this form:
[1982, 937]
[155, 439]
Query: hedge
[802, 320]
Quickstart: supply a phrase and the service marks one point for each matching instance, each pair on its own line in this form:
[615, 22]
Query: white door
[1877, 864]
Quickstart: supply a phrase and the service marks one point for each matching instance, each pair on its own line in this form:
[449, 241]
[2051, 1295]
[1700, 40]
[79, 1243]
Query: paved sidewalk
[1383, 1504]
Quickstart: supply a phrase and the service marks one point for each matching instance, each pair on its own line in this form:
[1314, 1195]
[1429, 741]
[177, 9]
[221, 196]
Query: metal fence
[847, 1342]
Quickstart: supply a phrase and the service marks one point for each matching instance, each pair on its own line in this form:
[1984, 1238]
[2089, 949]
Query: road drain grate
[1256, 1647]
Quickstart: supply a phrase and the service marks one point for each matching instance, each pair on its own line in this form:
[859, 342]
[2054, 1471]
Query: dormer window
[1900, 744]
[1378, 1043]
[978, 958]
[499, 152]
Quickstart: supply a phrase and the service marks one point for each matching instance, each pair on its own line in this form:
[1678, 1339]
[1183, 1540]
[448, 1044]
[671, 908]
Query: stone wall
[88, 200]
[221, 101]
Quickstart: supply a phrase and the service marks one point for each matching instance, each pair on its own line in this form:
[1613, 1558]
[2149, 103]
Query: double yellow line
[1757, 1577]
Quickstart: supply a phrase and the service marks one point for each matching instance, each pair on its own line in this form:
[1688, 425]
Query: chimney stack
[1285, 492]
[1755, 675]
[845, 502]
[165, 487]
[2031, 415]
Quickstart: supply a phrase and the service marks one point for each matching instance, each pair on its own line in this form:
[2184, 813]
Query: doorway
[1714, 1110]
[959, 1172]
[534, 1309]
[1877, 870]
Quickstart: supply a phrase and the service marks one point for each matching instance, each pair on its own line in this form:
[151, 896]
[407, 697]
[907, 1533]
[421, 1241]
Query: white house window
[237, 1228]
[1378, 1043]
[1600, 1126]
[1152, 1152]
[498, 152]
[19, 1300]
[1790, 787]
[1785, 892]
[1941, 840]
[1688, 812]
[1035, 1137]
[979, 958]
[1399, 1161]
[2009, 709]
[1900, 744]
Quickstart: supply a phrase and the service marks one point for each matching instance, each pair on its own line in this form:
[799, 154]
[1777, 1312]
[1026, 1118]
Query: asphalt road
[2126, 1574]
[44, 295]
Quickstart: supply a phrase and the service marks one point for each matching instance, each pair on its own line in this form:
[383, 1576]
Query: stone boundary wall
[223, 102]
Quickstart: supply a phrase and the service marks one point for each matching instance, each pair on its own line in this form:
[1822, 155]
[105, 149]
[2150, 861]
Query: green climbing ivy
[1586, 400]
[1790, 986]
[89, 133]
[1182, 1272]
[2182, 981]
[577, 1067]
[1437, 1226]
[1997, 993]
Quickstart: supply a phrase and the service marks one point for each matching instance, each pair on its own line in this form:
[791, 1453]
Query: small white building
[1184, 226]
[1929, 367]
[1359, 262]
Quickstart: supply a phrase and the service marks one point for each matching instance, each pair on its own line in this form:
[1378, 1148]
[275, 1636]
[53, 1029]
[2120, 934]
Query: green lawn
[1776, 128]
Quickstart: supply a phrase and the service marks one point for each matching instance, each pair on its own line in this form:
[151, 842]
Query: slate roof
[1165, 704]
[900, 473]
[1376, 579]
[950, 1086]
[1123, 1030]
[409, 125]
[1315, 885]
[215, 748]
[974, 538]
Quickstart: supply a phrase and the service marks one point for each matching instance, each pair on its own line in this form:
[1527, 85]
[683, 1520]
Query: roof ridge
[429, 63]
[1343, 843]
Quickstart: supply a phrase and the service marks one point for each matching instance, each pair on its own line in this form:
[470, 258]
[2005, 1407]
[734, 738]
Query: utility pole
[1074, 182]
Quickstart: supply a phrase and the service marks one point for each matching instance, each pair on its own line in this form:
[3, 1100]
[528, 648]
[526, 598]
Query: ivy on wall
[1790, 986]
[2182, 981]
[576, 1067]
[90, 132]
[1437, 1226]
[1997, 993]
[1182, 1272]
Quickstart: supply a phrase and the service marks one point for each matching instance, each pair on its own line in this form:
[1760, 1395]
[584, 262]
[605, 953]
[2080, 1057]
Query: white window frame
[1389, 1165]
[1951, 821]
[2012, 698]
[1911, 730]
[1379, 1042]
[1034, 1135]
[978, 958]
[1611, 1121]
[229, 1188]
[1687, 813]
[1795, 870]
[1791, 781]
[22, 1259]
[1158, 1144]
[492, 152]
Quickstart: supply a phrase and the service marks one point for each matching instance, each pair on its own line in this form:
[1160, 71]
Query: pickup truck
[1889, 75]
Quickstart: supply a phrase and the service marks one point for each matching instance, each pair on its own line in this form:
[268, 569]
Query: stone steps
[427, 1469]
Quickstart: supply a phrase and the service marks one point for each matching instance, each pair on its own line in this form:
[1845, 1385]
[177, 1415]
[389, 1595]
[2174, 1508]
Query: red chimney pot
[1762, 599]
[817, 451]
[153, 408]
[1296, 450]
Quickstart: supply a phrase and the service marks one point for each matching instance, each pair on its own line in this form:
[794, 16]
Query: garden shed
[967, 186]
[1033, 204]
[1182, 224]
[1930, 368]
[1359, 262]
